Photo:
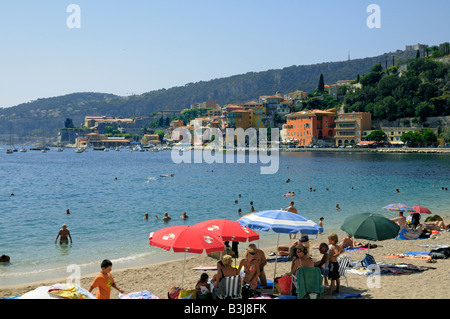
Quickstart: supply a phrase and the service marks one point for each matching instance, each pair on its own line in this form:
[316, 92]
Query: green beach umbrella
[370, 226]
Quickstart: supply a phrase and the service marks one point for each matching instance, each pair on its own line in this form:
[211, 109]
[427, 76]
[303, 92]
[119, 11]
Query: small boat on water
[79, 150]
[9, 151]
[23, 150]
[59, 149]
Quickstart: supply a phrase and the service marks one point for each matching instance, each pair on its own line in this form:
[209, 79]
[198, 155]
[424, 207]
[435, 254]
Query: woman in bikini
[251, 268]
[63, 234]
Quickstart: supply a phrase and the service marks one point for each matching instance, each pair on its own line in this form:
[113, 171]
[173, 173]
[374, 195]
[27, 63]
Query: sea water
[108, 193]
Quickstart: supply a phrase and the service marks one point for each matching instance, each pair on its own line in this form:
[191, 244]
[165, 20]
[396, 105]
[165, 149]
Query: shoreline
[159, 277]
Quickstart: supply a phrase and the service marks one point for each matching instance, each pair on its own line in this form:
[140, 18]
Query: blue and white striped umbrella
[280, 221]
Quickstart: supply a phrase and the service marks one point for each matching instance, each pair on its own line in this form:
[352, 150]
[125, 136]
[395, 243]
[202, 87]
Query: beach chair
[308, 281]
[343, 262]
[230, 288]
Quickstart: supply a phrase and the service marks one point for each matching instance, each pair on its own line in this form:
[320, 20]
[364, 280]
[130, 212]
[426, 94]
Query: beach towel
[406, 256]
[345, 295]
[286, 297]
[138, 295]
[309, 279]
[279, 259]
[187, 294]
[404, 234]
[39, 293]
[357, 248]
[70, 291]
[416, 253]
[269, 284]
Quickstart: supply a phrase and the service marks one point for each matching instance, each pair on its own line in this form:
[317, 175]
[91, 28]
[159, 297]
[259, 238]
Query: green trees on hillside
[421, 91]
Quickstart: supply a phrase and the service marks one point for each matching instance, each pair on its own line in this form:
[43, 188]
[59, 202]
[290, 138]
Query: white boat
[60, 149]
[23, 150]
[79, 150]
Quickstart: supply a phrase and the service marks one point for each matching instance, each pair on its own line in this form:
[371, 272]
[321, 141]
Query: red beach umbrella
[186, 239]
[421, 210]
[228, 230]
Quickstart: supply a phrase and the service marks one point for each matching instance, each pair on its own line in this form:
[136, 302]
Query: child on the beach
[104, 281]
[202, 286]
[333, 266]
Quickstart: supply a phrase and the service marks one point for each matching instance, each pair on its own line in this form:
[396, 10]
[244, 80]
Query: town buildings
[350, 126]
[310, 126]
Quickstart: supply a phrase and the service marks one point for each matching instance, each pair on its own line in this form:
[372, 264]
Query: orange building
[307, 127]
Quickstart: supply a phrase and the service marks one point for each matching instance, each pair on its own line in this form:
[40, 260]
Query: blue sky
[135, 46]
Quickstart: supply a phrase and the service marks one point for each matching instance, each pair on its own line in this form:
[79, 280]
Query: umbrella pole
[184, 264]
[276, 259]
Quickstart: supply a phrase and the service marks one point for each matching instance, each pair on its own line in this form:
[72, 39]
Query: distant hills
[45, 116]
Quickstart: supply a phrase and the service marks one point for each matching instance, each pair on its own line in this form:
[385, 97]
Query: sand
[159, 278]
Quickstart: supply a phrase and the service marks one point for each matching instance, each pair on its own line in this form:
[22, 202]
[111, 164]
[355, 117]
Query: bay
[109, 192]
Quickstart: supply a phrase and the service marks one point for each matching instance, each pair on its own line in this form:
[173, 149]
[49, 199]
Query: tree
[424, 110]
[377, 136]
[321, 85]
[68, 123]
[429, 137]
[411, 138]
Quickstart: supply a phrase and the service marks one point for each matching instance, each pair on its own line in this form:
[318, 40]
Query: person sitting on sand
[301, 260]
[438, 225]
[166, 217]
[225, 270]
[400, 220]
[347, 242]
[202, 286]
[63, 234]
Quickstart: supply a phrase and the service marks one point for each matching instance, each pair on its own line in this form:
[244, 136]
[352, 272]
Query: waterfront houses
[310, 126]
[350, 126]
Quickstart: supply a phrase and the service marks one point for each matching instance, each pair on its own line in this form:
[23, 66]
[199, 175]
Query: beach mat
[416, 253]
[345, 295]
[357, 248]
[406, 256]
[279, 259]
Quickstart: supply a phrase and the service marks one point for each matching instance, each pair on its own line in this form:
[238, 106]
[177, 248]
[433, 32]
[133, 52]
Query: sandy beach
[159, 278]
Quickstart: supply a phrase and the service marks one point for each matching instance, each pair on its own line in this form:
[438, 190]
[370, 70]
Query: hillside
[45, 116]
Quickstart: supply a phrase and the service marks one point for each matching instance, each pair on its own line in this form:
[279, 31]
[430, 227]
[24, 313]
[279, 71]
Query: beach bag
[285, 284]
[368, 260]
[247, 291]
[173, 292]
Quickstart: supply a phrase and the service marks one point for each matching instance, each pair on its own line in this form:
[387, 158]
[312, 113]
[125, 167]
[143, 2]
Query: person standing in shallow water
[64, 235]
